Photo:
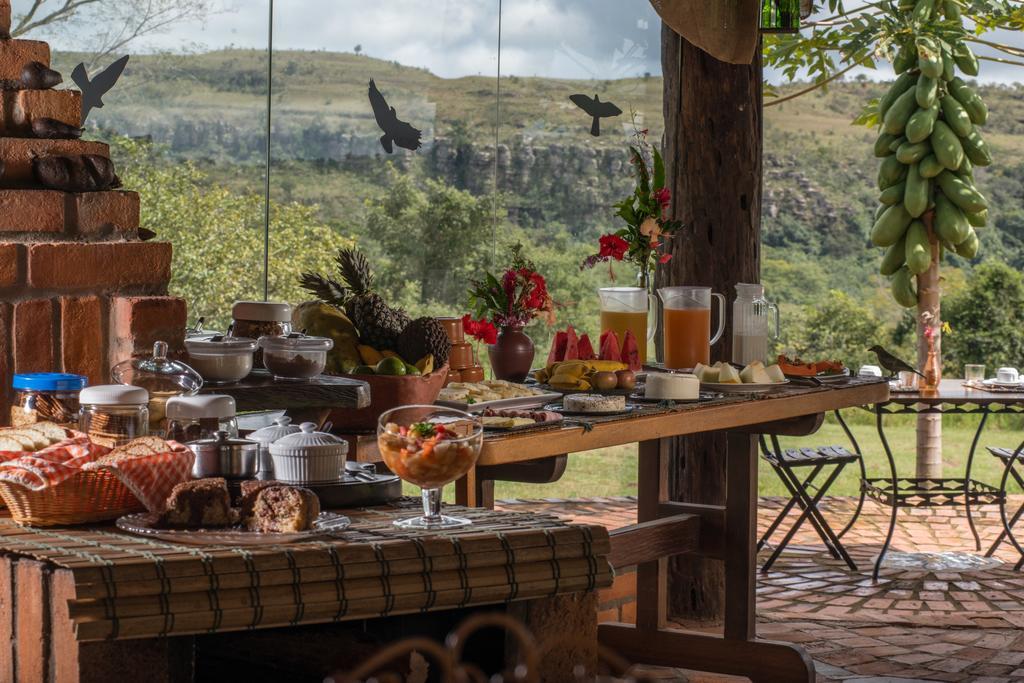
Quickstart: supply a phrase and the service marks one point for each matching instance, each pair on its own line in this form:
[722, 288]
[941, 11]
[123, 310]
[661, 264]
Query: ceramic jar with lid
[114, 414]
[265, 436]
[295, 356]
[161, 376]
[191, 418]
[46, 397]
[221, 359]
[224, 456]
[255, 319]
[309, 457]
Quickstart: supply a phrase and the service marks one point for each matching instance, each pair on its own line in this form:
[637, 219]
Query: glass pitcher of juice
[687, 325]
[626, 308]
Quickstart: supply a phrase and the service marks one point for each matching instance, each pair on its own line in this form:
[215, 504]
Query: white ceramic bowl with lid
[295, 356]
[221, 359]
[309, 456]
[265, 436]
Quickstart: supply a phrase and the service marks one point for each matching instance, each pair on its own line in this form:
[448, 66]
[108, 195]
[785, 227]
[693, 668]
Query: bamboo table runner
[131, 587]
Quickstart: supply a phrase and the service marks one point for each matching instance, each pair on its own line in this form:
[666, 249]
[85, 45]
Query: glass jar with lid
[255, 319]
[191, 418]
[46, 397]
[295, 356]
[161, 376]
[221, 359]
[114, 414]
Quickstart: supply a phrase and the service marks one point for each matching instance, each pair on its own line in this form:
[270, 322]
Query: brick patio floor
[915, 624]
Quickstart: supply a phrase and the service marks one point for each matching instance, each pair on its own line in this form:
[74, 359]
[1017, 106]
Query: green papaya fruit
[966, 169]
[955, 115]
[929, 167]
[895, 144]
[969, 247]
[896, 118]
[890, 172]
[925, 91]
[977, 219]
[882, 145]
[878, 212]
[905, 58]
[909, 153]
[915, 195]
[960, 192]
[902, 288]
[890, 226]
[950, 223]
[948, 66]
[923, 10]
[976, 149]
[919, 125]
[946, 145]
[965, 59]
[918, 248]
[929, 58]
[951, 9]
[895, 256]
[970, 100]
[892, 194]
[902, 83]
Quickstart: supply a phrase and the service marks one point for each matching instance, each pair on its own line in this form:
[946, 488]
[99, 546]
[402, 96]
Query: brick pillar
[79, 291]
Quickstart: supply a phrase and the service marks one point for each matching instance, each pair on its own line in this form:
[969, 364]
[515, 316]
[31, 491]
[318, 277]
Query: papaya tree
[929, 140]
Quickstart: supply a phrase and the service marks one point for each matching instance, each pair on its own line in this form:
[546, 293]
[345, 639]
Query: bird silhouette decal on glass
[891, 363]
[595, 108]
[395, 130]
[94, 90]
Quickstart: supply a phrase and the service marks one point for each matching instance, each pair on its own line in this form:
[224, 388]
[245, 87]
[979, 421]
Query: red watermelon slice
[630, 352]
[609, 345]
[572, 345]
[558, 345]
[586, 348]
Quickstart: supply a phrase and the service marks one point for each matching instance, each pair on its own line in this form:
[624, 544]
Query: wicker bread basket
[92, 496]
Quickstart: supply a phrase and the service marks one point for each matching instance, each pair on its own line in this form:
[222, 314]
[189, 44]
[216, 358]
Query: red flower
[663, 197]
[613, 246]
[481, 330]
[665, 258]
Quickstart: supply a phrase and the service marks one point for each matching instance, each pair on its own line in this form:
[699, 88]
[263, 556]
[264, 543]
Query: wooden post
[5, 19]
[929, 298]
[712, 150]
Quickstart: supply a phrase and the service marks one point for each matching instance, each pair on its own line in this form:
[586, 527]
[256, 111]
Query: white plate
[507, 403]
[741, 388]
[993, 382]
[141, 524]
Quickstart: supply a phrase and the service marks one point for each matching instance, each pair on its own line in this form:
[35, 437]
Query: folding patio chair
[788, 465]
[1005, 456]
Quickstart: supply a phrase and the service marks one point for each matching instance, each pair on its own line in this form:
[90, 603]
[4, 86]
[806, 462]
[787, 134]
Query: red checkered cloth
[149, 477]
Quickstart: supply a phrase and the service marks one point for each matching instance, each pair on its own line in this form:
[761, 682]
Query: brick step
[18, 108]
[15, 54]
[88, 214]
[18, 153]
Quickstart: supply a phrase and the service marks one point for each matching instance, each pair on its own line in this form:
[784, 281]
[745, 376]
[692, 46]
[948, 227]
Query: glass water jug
[751, 314]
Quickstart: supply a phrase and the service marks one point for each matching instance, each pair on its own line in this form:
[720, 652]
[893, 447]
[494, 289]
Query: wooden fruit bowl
[387, 392]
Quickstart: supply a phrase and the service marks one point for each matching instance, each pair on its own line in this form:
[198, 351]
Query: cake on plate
[198, 503]
[280, 508]
[672, 386]
[593, 403]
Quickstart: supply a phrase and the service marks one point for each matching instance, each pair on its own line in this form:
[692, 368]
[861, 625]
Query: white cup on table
[1007, 375]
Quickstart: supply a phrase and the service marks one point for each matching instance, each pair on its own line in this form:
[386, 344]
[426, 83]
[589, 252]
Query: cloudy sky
[555, 38]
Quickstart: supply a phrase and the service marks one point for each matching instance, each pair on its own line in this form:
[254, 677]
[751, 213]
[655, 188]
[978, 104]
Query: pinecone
[379, 325]
[421, 337]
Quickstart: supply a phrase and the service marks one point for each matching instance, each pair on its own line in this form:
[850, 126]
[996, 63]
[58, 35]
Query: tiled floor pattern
[914, 624]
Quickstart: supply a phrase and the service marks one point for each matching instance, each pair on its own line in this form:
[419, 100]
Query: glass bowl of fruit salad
[430, 446]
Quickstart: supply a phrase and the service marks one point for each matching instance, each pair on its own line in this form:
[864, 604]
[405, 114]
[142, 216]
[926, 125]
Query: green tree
[987, 317]
[839, 327]
[217, 234]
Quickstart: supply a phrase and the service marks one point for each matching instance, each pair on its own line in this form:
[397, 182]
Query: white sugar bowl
[309, 457]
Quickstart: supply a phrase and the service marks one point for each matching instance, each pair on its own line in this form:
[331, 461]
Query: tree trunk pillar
[712, 150]
[929, 297]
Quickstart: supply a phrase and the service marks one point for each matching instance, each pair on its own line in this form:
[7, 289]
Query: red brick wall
[618, 602]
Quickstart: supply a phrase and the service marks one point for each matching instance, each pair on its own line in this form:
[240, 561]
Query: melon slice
[586, 349]
[710, 375]
[727, 374]
[775, 373]
[557, 352]
[610, 346]
[572, 344]
[754, 373]
[630, 352]
[698, 371]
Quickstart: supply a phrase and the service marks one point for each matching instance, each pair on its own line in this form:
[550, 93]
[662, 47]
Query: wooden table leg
[740, 531]
[651, 577]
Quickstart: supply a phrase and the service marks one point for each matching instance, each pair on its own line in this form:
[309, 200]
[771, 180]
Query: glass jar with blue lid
[46, 397]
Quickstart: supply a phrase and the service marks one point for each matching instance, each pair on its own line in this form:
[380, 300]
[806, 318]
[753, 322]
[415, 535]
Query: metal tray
[503, 403]
[142, 524]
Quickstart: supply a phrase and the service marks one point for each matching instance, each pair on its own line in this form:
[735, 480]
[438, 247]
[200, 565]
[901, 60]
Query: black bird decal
[891, 363]
[403, 134]
[94, 90]
[595, 108]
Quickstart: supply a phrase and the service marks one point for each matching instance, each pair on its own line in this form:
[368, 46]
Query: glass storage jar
[46, 397]
[220, 359]
[191, 418]
[265, 436]
[161, 377]
[114, 414]
[255, 319]
[295, 356]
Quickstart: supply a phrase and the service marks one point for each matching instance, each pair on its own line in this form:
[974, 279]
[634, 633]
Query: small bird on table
[892, 363]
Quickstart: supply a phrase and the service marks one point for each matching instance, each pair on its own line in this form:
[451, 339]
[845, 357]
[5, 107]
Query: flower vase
[512, 355]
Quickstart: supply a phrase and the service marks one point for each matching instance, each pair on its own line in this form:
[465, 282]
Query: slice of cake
[198, 503]
[593, 403]
[282, 509]
[672, 386]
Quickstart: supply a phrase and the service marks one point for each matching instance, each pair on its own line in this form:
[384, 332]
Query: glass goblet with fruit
[430, 447]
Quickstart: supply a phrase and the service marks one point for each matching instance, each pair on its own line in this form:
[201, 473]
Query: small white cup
[869, 371]
[1008, 375]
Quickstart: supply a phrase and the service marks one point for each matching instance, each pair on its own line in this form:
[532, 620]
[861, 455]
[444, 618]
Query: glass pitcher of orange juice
[626, 308]
[687, 325]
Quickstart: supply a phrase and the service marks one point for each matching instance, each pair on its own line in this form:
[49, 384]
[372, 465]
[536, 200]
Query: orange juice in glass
[687, 325]
[626, 308]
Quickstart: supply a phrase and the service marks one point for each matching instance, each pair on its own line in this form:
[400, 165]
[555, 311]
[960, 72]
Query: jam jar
[255, 319]
[114, 414]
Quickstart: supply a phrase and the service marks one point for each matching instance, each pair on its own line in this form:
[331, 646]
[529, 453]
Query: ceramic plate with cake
[592, 404]
[754, 378]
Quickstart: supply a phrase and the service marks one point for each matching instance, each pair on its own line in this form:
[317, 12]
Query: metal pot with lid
[225, 456]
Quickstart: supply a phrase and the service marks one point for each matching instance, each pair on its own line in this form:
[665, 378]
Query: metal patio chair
[1010, 459]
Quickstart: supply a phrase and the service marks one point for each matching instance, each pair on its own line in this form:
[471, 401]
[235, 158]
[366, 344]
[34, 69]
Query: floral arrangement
[644, 213]
[520, 296]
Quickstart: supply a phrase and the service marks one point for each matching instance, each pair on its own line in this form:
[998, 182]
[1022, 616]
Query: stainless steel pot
[224, 456]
